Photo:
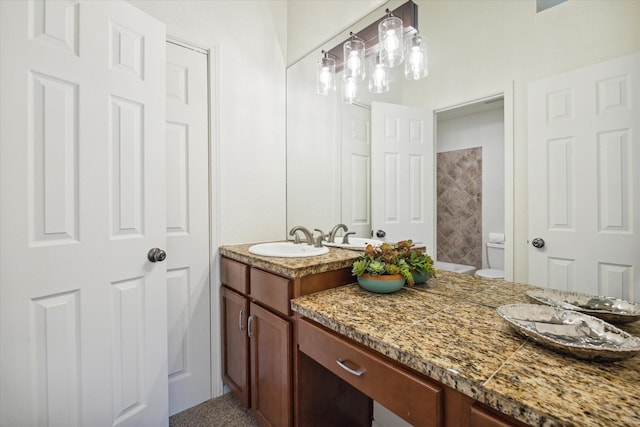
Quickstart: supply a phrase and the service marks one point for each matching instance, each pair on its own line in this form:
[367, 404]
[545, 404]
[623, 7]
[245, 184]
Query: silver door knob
[156, 255]
[537, 242]
[380, 234]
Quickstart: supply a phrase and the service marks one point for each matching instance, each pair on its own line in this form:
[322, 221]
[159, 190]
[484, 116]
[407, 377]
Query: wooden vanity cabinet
[235, 340]
[271, 379]
[257, 337]
[415, 399]
[256, 341]
[420, 401]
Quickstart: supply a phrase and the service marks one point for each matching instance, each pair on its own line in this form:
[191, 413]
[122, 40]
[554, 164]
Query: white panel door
[402, 173]
[584, 179]
[82, 170]
[356, 164]
[187, 228]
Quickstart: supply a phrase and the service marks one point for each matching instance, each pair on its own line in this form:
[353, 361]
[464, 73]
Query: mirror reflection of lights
[349, 90]
[326, 75]
[392, 48]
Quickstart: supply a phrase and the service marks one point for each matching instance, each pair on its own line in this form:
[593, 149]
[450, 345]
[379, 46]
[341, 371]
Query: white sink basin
[287, 250]
[355, 243]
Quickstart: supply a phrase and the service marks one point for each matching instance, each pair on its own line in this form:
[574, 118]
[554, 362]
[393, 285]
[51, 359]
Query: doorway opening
[472, 200]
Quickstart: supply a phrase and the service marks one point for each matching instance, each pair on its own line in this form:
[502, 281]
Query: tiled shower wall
[459, 178]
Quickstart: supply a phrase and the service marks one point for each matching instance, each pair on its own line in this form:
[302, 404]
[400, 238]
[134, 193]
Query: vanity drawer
[416, 400]
[485, 417]
[271, 290]
[234, 275]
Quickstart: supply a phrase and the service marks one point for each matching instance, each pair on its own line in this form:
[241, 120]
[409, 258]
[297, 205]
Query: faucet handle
[318, 240]
[345, 238]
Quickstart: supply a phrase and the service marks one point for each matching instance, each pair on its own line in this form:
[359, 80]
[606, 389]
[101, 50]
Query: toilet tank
[495, 255]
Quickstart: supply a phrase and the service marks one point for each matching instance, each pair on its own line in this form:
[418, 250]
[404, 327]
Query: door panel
[402, 173]
[235, 344]
[356, 165]
[187, 228]
[271, 380]
[584, 175]
[82, 310]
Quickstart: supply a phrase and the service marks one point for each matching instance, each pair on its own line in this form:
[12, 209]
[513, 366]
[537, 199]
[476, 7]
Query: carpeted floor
[223, 411]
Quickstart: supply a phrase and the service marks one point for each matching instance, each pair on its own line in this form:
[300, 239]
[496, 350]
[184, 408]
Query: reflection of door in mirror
[402, 173]
[356, 179]
[583, 164]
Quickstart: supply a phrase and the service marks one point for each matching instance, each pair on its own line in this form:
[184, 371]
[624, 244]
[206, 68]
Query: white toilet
[495, 260]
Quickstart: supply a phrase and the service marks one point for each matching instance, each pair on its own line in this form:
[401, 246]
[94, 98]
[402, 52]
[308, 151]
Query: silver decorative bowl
[570, 332]
[610, 309]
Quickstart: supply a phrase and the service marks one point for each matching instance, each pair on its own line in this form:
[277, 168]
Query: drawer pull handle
[356, 372]
[240, 320]
[249, 327]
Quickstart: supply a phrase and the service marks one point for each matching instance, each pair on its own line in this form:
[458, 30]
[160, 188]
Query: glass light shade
[326, 76]
[390, 37]
[349, 90]
[354, 62]
[416, 65]
[379, 76]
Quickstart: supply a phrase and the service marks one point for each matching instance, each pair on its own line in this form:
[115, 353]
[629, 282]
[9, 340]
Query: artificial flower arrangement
[399, 259]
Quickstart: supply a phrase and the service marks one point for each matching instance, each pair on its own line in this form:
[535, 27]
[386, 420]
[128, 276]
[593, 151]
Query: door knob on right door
[156, 254]
[537, 242]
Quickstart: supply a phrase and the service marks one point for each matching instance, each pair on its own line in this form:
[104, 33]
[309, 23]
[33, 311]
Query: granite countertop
[292, 267]
[448, 329]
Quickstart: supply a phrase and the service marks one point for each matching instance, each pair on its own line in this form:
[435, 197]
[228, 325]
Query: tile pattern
[448, 330]
[459, 176]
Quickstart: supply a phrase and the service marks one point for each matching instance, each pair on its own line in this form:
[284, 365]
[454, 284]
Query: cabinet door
[235, 344]
[270, 367]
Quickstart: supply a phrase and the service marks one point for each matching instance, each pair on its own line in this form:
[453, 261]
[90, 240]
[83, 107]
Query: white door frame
[213, 82]
[215, 213]
[507, 93]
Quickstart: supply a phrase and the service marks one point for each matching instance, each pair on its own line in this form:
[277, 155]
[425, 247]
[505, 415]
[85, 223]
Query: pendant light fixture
[378, 75]
[349, 90]
[390, 36]
[416, 65]
[354, 62]
[326, 74]
[393, 39]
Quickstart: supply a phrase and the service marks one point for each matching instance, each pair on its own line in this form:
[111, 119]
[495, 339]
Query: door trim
[215, 213]
[507, 93]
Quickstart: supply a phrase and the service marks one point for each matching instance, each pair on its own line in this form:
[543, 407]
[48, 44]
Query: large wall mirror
[328, 143]
[337, 173]
[513, 70]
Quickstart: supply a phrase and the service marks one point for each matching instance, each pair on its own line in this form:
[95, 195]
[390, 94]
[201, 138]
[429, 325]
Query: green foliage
[401, 258]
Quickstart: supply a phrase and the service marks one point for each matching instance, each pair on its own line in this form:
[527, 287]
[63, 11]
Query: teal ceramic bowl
[420, 278]
[381, 284]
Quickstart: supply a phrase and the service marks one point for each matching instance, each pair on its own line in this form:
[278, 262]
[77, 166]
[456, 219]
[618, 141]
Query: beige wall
[480, 47]
[250, 38]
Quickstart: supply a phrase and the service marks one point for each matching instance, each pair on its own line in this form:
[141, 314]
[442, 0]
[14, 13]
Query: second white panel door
[187, 228]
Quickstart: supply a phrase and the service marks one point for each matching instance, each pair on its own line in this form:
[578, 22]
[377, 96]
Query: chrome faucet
[334, 230]
[345, 238]
[307, 234]
[318, 240]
